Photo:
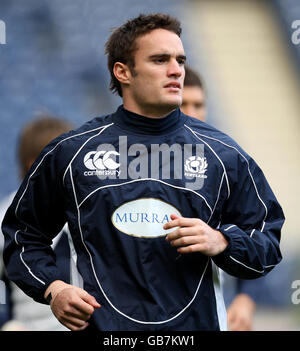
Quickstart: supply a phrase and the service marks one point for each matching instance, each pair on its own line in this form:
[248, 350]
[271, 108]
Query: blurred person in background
[240, 312]
[193, 95]
[156, 274]
[21, 312]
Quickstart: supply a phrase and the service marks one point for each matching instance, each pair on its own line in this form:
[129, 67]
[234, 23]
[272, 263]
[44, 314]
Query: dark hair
[36, 135]
[122, 42]
[192, 78]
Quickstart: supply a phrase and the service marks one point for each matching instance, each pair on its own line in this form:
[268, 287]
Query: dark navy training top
[116, 181]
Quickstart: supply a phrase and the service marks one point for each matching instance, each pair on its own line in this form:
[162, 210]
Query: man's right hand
[71, 305]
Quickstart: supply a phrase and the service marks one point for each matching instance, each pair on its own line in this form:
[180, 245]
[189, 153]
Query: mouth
[173, 86]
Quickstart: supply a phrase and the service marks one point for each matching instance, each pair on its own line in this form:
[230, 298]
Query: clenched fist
[71, 305]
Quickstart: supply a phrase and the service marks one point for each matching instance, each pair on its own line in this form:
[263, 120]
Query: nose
[174, 69]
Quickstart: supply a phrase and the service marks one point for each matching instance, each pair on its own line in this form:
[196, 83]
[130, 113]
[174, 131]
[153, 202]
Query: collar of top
[145, 125]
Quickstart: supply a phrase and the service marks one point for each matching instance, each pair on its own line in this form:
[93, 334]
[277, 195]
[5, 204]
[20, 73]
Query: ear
[122, 73]
[29, 163]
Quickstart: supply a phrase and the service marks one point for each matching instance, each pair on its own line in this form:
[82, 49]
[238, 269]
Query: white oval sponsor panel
[144, 217]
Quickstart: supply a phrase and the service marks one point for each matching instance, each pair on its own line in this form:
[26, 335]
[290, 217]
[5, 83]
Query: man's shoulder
[208, 133]
[75, 137]
[63, 148]
[91, 127]
[218, 141]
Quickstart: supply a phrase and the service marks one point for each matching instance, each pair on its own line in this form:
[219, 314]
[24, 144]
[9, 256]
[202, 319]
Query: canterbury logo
[101, 160]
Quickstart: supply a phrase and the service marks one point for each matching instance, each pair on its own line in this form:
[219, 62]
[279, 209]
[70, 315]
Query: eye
[160, 60]
[181, 61]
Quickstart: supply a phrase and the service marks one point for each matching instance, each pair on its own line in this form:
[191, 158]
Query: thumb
[89, 299]
[174, 216]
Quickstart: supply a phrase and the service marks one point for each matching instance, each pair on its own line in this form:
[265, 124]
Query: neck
[136, 123]
[149, 111]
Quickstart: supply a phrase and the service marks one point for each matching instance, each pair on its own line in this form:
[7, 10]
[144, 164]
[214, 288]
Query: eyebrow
[155, 56]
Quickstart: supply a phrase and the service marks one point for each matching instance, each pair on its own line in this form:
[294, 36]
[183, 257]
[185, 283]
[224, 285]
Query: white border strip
[29, 270]
[21, 197]
[254, 184]
[42, 160]
[252, 269]
[95, 275]
[248, 166]
[16, 240]
[195, 134]
[82, 146]
[22, 259]
[220, 187]
[233, 225]
[220, 304]
[146, 179]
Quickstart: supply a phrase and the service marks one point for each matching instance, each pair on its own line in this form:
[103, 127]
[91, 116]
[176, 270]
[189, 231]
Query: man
[24, 313]
[240, 312]
[193, 95]
[151, 199]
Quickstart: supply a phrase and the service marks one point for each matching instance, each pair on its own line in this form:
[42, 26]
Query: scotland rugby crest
[195, 166]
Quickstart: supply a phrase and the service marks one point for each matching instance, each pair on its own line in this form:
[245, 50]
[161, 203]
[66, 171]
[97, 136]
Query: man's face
[193, 102]
[156, 84]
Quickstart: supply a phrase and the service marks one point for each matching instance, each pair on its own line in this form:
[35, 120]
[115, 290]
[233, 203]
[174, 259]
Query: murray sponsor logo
[144, 217]
[156, 161]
